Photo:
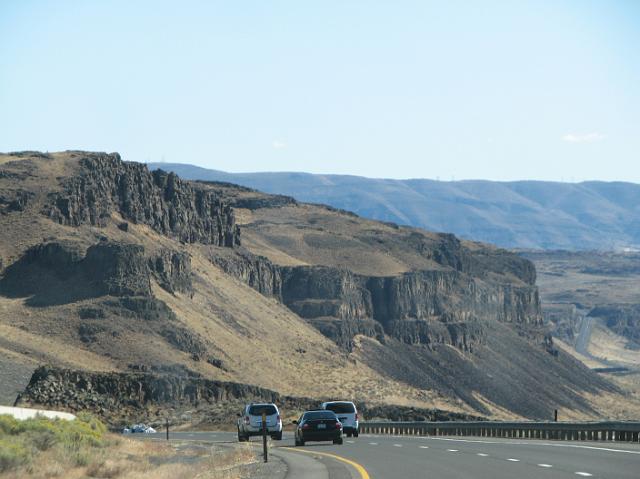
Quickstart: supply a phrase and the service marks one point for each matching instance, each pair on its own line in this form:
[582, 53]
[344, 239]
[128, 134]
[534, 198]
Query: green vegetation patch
[22, 441]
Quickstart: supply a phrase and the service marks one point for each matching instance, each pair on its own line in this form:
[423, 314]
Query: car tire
[356, 434]
[278, 436]
[348, 434]
[337, 441]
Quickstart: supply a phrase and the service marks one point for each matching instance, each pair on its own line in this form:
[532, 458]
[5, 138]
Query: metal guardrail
[564, 431]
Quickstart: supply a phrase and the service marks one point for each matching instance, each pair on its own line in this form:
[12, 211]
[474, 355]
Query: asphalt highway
[406, 457]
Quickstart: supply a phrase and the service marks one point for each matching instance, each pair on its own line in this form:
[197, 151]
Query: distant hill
[519, 214]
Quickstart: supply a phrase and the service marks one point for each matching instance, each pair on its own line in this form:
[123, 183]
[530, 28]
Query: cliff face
[256, 271]
[421, 307]
[160, 200]
[155, 394]
[109, 393]
[622, 319]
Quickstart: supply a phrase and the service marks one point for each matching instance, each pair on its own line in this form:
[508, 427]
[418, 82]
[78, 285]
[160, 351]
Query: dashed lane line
[452, 450]
[513, 460]
[545, 465]
[424, 447]
[373, 443]
[584, 474]
[397, 445]
[528, 443]
[482, 454]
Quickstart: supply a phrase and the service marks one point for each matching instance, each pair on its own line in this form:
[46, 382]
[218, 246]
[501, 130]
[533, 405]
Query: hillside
[164, 293]
[595, 288]
[520, 214]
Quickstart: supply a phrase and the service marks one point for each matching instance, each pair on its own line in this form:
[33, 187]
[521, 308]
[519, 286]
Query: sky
[498, 90]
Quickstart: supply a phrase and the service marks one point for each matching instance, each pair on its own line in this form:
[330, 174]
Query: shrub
[42, 440]
[20, 441]
[7, 424]
[12, 454]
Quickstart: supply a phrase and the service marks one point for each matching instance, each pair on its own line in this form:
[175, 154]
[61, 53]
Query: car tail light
[356, 416]
[278, 418]
[246, 419]
[305, 426]
[338, 425]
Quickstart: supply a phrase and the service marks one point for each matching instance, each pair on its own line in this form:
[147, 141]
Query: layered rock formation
[172, 270]
[622, 319]
[107, 393]
[160, 200]
[420, 307]
[117, 397]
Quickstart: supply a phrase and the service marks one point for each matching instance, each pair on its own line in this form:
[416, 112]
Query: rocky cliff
[420, 307]
[179, 394]
[622, 319]
[105, 184]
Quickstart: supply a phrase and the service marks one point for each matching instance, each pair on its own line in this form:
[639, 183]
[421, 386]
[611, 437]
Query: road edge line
[361, 470]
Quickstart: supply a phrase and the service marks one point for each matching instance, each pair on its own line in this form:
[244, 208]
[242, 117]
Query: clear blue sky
[477, 89]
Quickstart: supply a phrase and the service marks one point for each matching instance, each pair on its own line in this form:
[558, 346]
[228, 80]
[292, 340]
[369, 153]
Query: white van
[347, 415]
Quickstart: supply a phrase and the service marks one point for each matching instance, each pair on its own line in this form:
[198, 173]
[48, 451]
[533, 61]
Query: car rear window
[257, 410]
[341, 407]
[319, 415]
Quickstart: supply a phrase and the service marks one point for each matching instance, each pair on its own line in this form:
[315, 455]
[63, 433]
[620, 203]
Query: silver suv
[347, 414]
[250, 421]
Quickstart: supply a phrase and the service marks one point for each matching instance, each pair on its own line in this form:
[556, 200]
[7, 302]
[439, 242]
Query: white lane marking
[373, 443]
[424, 447]
[584, 474]
[398, 445]
[482, 454]
[350, 442]
[530, 443]
[452, 450]
[513, 460]
[545, 465]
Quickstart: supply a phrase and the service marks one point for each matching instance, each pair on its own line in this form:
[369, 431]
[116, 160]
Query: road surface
[584, 335]
[451, 458]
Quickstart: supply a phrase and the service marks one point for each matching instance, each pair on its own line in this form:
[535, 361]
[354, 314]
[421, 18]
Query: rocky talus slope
[111, 270]
[158, 394]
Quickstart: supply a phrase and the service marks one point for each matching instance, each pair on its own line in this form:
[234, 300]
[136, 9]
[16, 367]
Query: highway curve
[462, 458]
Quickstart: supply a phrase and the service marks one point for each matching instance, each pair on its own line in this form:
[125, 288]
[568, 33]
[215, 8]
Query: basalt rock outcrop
[623, 319]
[116, 397]
[419, 307]
[106, 268]
[117, 269]
[256, 271]
[108, 393]
[172, 270]
[105, 185]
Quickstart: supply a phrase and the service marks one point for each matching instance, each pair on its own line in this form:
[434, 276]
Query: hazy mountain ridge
[520, 214]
